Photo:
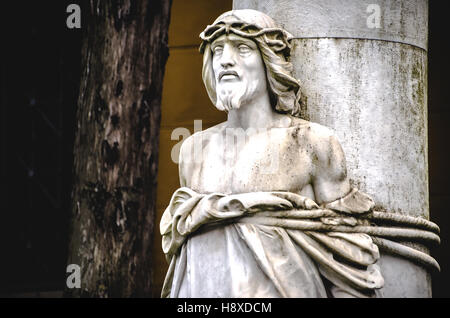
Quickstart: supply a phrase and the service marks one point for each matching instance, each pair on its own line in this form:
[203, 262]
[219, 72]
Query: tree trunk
[116, 147]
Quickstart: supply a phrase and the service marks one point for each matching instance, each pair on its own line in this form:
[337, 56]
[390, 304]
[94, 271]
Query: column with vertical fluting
[362, 65]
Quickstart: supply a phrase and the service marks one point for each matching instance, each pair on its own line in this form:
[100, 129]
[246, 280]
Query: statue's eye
[218, 50]
[244, 48]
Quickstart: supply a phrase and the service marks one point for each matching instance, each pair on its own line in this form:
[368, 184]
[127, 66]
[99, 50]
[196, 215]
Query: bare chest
[270, 161]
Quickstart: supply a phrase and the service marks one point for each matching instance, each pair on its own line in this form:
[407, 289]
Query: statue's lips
[228, 74]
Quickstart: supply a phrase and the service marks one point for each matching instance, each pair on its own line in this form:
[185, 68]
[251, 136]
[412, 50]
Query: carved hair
[274, 44]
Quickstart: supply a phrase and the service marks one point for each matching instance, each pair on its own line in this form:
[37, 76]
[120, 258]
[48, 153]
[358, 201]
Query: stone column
[363, 69]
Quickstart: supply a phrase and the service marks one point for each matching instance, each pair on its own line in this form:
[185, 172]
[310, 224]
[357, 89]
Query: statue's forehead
[232, 38]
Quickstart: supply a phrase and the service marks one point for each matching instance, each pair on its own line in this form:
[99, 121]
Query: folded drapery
[264, 220]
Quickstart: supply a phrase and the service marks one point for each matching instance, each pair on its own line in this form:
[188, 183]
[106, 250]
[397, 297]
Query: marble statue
[265, 208]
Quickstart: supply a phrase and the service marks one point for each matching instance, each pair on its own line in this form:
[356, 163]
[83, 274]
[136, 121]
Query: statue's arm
[184, 162]
[330, 181]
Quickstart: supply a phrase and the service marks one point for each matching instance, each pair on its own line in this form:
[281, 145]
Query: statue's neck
[258, 113]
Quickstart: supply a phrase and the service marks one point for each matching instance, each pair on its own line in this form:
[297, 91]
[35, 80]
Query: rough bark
[116, 147]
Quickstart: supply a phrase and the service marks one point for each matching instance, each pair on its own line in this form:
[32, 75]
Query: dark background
[439, 139]
[40, 73]
[39, 80]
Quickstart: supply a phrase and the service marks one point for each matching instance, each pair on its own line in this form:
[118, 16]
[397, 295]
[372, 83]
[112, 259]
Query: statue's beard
[232, 96]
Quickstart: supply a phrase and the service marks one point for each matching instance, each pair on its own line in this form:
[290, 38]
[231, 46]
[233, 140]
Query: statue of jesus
[255, 188]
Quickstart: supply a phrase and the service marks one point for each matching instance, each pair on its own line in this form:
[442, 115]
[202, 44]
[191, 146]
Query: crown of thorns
[277, 39]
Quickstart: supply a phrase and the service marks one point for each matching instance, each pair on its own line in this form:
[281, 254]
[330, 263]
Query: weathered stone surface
[400, 21]
[373, 95]
[403, 278]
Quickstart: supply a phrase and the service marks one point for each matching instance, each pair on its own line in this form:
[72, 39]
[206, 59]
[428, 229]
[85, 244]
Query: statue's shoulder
[202, 135]
[216, 129]
[320, 139]
[311, 130]
[211, 131]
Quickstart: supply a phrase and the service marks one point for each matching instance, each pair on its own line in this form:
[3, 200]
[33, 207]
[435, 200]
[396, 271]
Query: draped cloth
[251, 245]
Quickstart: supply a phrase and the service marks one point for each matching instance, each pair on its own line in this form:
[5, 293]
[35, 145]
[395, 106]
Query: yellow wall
[184, 100]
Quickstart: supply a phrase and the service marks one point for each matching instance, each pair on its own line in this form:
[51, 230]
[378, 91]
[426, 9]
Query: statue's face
[238, 70]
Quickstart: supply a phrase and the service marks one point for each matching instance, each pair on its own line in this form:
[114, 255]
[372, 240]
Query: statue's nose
[228, 56]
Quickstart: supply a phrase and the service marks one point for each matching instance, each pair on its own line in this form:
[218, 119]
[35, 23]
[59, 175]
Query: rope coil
[385, 227]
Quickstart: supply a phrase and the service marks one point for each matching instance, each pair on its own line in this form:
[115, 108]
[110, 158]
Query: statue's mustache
[229, 72]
